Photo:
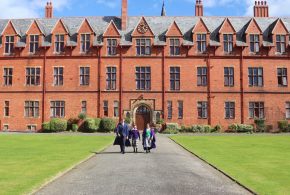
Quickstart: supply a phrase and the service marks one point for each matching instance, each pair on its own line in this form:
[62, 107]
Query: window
[31, 127]
[256, 77]
[116, 109]
[84, 107]
[229, 76]
[143, 47]
[84, 75]
[169, 109]
[59, 43]
[57, 109]
[281, 43]
[143, 78]
[112, 47]
[106, 108]
[228, 43]
[175, 78]
[180, 109]
[201, 76]
[202, 110]
[111, 78]
[85, 43]
[34, 43]
[31, 109]
[254, 43]
[6, 108]
[9, 44]
[256, 110]
[32, 76]
[287, 110]
[174, 47]
[201, 43]
[230, 110]
[58, 76]
[282, 77]
[8, 73]
[5, 127]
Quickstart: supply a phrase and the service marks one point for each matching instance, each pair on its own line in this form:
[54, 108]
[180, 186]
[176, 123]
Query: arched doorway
[142, 117]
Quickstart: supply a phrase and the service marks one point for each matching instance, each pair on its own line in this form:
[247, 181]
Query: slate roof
[158, 24]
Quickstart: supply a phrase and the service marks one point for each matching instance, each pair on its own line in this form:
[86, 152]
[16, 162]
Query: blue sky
[35, 8]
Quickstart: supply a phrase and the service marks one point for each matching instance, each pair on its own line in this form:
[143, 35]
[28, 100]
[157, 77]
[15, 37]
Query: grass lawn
[260, 162]
[27, 161]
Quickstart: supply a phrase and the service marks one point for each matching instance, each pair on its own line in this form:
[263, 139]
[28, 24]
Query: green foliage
[75, 127]
[46, 127]
[107, 125]
[128, 120]
[186, 129]
[90, 125]
[82, 116]
[283, 125]
[58, 125]
[217, 128]
[160, 121]
[97, 123]
[170, 131]
[70, 123]
[260, 125]
[201, 129]
[172, 126]
[241, 128]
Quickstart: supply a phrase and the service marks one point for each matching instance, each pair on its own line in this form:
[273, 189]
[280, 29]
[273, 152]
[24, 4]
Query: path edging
[216, 168]
[49, 181]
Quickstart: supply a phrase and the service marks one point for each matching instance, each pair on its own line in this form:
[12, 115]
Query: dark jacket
[122, 130]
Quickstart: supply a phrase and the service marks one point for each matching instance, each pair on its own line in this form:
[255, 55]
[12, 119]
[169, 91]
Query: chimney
[124, 14]
[48, 10]
[198, 8]
[261, 9]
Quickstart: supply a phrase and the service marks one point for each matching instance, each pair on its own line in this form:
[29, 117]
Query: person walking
[147, 138]
[135, 136]
[122, 132]
[153, 139]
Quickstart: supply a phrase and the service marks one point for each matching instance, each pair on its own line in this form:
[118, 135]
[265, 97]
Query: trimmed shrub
[82, 116]
[107, 125]
[201, 129]
[172, 126]
[97, 123]
[90, 125]
[283, 125]
[260, 125]
[241, 128]
[70, 123]
[160, 121]
[58, 125]
[75, 127]
[186, 129]
[170, 131]
[216, 129]
[46, 127]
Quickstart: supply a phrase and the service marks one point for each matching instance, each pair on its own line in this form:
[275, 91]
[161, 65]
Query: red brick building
[189, 70]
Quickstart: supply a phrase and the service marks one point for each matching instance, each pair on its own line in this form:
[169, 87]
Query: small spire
[163, 11]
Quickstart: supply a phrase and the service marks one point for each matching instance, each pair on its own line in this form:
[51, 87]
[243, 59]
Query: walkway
[167, 170]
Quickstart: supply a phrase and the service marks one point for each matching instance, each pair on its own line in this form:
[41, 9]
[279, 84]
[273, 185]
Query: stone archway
[142, 116]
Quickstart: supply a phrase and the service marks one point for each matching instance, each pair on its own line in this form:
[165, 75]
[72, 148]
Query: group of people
[127, 137]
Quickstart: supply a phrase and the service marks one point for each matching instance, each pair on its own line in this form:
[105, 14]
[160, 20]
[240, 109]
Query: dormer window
[143, 47]
[174, 47]
[254, 43]
[85, 43]
[112, 47]
[228, 43]
[201, 43]
[9, 44]
[59, 43]
[34, 43]
[281, 44]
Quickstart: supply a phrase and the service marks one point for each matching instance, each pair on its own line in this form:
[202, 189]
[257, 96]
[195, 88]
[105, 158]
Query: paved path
[168, 170]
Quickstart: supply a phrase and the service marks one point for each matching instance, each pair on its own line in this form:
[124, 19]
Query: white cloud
[108, 3]
[27, 8]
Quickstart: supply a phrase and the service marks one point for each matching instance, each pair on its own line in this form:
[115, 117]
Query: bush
[58, 125]
[170, 131]
[82, 116]
[260, 125]
[241, 128]
[70, 123]
[46, 127]
[75, 127]
[128, 120]
[201, 129]
[283, 125]
[107, 125]
[186, 129]
[217, 128]
[172, 126]
[97, 123]
[160, 121]
[90, 125]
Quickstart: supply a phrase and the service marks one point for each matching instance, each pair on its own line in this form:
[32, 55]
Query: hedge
[75, 127]
[46, 127]
[283, 126]
[260, 125]
[90, 125]
[107, 125]
[172, 126]
[241, 128]
[58, 125]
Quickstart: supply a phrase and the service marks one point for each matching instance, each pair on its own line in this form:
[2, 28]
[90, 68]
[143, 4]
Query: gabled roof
[174, 24]
[112, 24]
[225, 21]
[143, 19]
[201, 20]
[80, 26]
[65, 27]
[274, 25]
[251, 21]
[36, 25]
[7, 24]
